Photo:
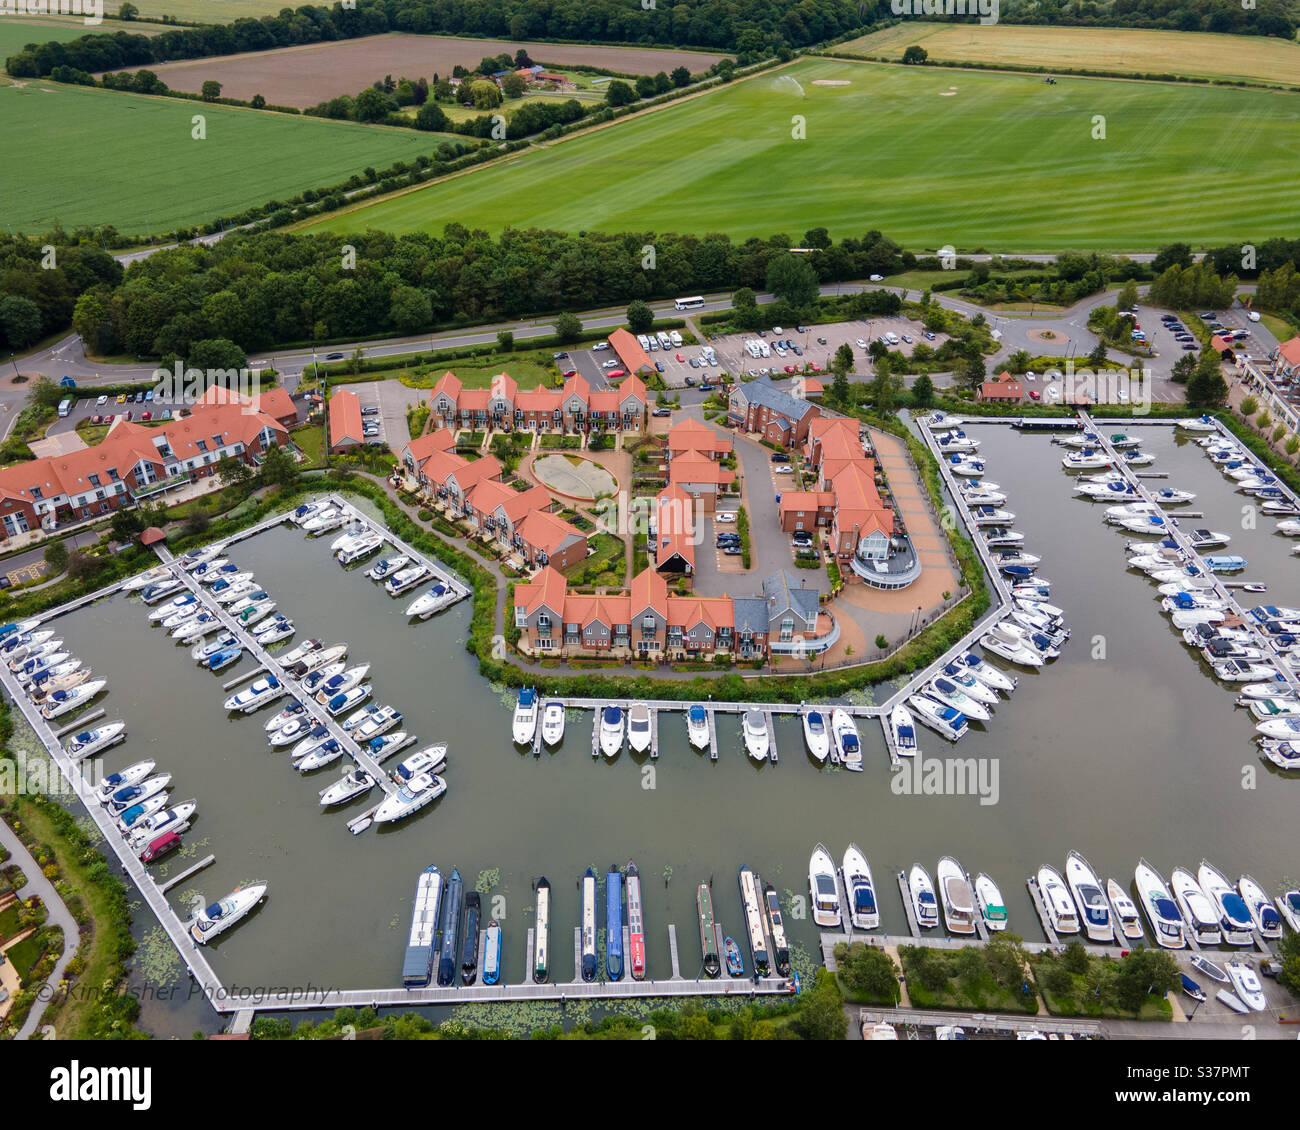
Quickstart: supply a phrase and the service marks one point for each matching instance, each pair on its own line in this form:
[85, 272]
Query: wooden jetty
[202, 863]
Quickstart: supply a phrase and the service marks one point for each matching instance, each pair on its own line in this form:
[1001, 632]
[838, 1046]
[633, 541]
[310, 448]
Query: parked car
[725, 516]
[928, 335]
[695, 363]
[797, 351]
[861, 344]
[1033, 394]
[782, 469]
[614, 374]
[570, 372]
[876, 278]
[600, 345]
[101, 402]
[801, 537]
[148, 394]
[662, 412]
[122, 399]
[732, 551]
[821, 341]
[706, 387]
[95, 419]
[791, 369]
[130, 412]
[780, 457]
[609, 364]
[907, 339]
[146, 415]
[659, 366]
[559, 356]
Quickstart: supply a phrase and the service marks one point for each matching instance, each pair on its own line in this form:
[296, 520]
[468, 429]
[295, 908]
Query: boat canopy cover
[527, 696]
[1235, 908]
[697, 714]
[1166, 909]
[613, 715]
[214, 911]
[1269, 917]
[864, 898]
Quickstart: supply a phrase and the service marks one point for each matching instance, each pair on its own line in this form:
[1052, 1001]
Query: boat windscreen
[864, 898]
[826, 885]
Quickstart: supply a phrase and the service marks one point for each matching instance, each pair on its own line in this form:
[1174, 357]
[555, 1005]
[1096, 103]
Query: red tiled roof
[539, 399]
[674, 526]
[629, 351]
[549, 588]
[1289, 351]
[713, 611]
[345, 418]
[448, 383]
[692, 467]
[649, 590]
[546, 531]
[1001, 390]
[692, 435]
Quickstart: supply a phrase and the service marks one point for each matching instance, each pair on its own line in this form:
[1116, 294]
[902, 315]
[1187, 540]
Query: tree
[505, 341]
[1249, 406]
[278, 468]
[513, 86]
[1018, 362]
[20, 320]
[821, 1016]
[56, 556]
[1097, 358]
[217, 353]
[568, 328]
[258, 102]
[618, 93]
[915, 55]
[870, 972]
[640, 317]
[922, 391]
[1173, 254]
[974, 371]
[432, 117]
[681, 77]
[127, 12]
[792, 278]
[373, 105]
[1128, 296]
[1206, 387]
[884, 391]
[211, 90]
[1145, 972]
[233, 472]
[82, 566]
[485, 95]
[1183, 369]
[44, 393]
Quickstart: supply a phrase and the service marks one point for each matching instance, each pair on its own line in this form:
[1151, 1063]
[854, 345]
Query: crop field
[929, 157]
[85, 156]
[1133, 50]
[303, 76]
[16, 32]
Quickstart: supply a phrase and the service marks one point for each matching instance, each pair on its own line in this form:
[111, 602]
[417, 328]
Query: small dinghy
[1192, 989]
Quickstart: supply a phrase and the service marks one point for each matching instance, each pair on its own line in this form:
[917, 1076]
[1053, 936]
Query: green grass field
[1129, 50]
[930, 157]
[87, 156]
[16, 32]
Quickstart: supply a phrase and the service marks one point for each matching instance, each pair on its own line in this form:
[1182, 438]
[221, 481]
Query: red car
[146, 415]
[680, 357]
[614, 374]
[570, 372]
[790, 369]
[96, 419]
[108, 419]
[816, 368]
[1033, 394]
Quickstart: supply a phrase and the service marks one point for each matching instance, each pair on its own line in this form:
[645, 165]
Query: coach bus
[689, 303]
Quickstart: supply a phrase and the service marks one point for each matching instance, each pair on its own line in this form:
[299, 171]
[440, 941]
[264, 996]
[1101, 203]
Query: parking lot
[383, 408]
[141, 407]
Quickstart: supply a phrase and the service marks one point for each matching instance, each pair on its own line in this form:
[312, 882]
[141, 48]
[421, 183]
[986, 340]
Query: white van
[643, 342]
[1253, 315]
[664, 343]
[676, 339]
[892, 339]
[65, 406]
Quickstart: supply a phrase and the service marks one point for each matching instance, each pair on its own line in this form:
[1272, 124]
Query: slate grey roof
[764, 393]
[750, 614]
[783, 592]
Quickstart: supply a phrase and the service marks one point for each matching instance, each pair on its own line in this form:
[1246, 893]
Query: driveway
[392, 398]
[59, 915]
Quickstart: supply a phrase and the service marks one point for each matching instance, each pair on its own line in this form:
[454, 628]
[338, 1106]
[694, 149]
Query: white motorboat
[60, 702]
[984, 497]
[1274, 613]
[991, 516]
[1126, 911]
[1190, 617]
[1199, 914]
[158, 590]
[299, 653]
[822, 888]
[1289, 905]
[1285, 755]
[1276, 717]
[1189, 576]
[638, 727]
[435, 600]
[955, 896]
[1161, 910]
[611, 731]
[197, 627]
[202, 652]
[352, 784]
[1246, 984]
[1037, 588]
[187, 601]
[240, 596]
[168, 820]
[968, 466]
[182, 616]
[1234, 916]
[816, 734]
[90, 742]
[131, 775]
[307, 510]
[293, 731]
[291, 713]
[753, 726]
[220, 916]
[406, 579]
[941, 422]
[1061, 911]
[999, 537]
[1051, 614]
[1207, 539]
[261, 692]
[387, 567]
[1262, 912]
[233, 581]
[1152, 525]
[201, 556]
[412, 796]
[148, 577]
[132, 814]
[328, 518]
[119, 800]
[210, 571]
[360, 547]
[1008, 641]
[1243, 671]
[255, 608]
[859, 889]
[341, 683]
[1138, 458]
[921, 890]
[35, 655]
[1172, 496]
[378, 720]
[848, 745]
[26, 644]
[1094, 910]
[1274, 688]
[1109, 490]
[993, 908]
[524, 727]
[1014, 557]
[313, 682]
[553, 723]
[431, 759]
[958, 441]
[947, 692]
[986, 673]
[346, 700]
[314, 660]
[389, 743]
[1202, 424]
[325, 752]
[697, 726]
[66, 680]
[280, 628]
[902, 731]
[1089, 459]
[355, 531]
[944, 720]
[1290, 527]
[1139, 509]
[316, 737]
[46, 668]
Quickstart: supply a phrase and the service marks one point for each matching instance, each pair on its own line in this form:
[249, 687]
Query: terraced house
[648, 622]
[132, 463]
[770, 413]
[575, 408]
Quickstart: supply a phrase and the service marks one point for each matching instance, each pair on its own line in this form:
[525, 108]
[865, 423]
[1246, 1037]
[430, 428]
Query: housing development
[773, 520]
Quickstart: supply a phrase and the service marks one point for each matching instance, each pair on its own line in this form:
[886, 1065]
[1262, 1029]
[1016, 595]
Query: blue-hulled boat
[735, 966]
[449, 929]
[614, 923]
[224, 658]
[1226, 563]
[492, 954]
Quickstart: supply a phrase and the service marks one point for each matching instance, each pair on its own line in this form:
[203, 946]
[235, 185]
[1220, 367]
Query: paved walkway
[59, 915]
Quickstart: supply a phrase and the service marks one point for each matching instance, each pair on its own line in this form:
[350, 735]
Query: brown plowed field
[304, 76]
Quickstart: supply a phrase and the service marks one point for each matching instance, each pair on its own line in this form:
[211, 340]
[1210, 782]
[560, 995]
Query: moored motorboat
[920, 889]
[859, 889]
[1060, 908]
[119, 800]
[90, 742]
[697, 726]
[378, 720]
[346, 700]
[470, 941]
[326, 751]
[387, 566]
[313, 660]
[449, 929]
[339, 683]
[1094, 910]
[261, 692]
[128, 776]
[173, 819]
[553, 723]
[955, 897]
[611, 731]
[614, 923]
[362, 546]
[638, 727]
[848, 744]
[902, 731]
[203, 652]
[140, 809]
[220, 916]
[587, 951]
[776, 930]
[298, 654]
[1289, 906]
[754, 729]
[969, 685]
[751, 900]
[823, 889]
[352, 784]
[524, 726]
[816, 736]
[735, 963]
[708, 932]
[1007, 641]
[435, 600]
[1126, 911]
[406, 579]
[420, 790]
[1199, 914]
[60, 702]
[1262, 912]
[542, 932]
[431, 759]
[1246, 984]
[943, 719]
[993, 908]
[1234, 916]
[1159, 906]
[947, 692]
[492, 953]
[986, 673]
[635, 924]
[318, 678]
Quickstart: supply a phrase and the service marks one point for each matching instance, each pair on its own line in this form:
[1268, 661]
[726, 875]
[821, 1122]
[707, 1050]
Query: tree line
[1262, 17]
[747, 27]
[40, 284]
[262, 290]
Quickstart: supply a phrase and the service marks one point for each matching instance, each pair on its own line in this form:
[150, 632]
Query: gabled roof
[782, 592]
[692, 435]
[423, 446]
[857, 502]
[548, 588]
[750, 614]
[608, 610]
[473, 400]
[633, 386]
[649, 590]
[765, 394]
[274, 401]
[504, 385]
[517, 504]
[448, 383]
[345, 417]
[629, 351]
[795, 500]
[547, 532]
[579, 387]
[692, 467]
[674, 526]
[1001, 390]
[713, 612]
[1289, 351]
[539, 399]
